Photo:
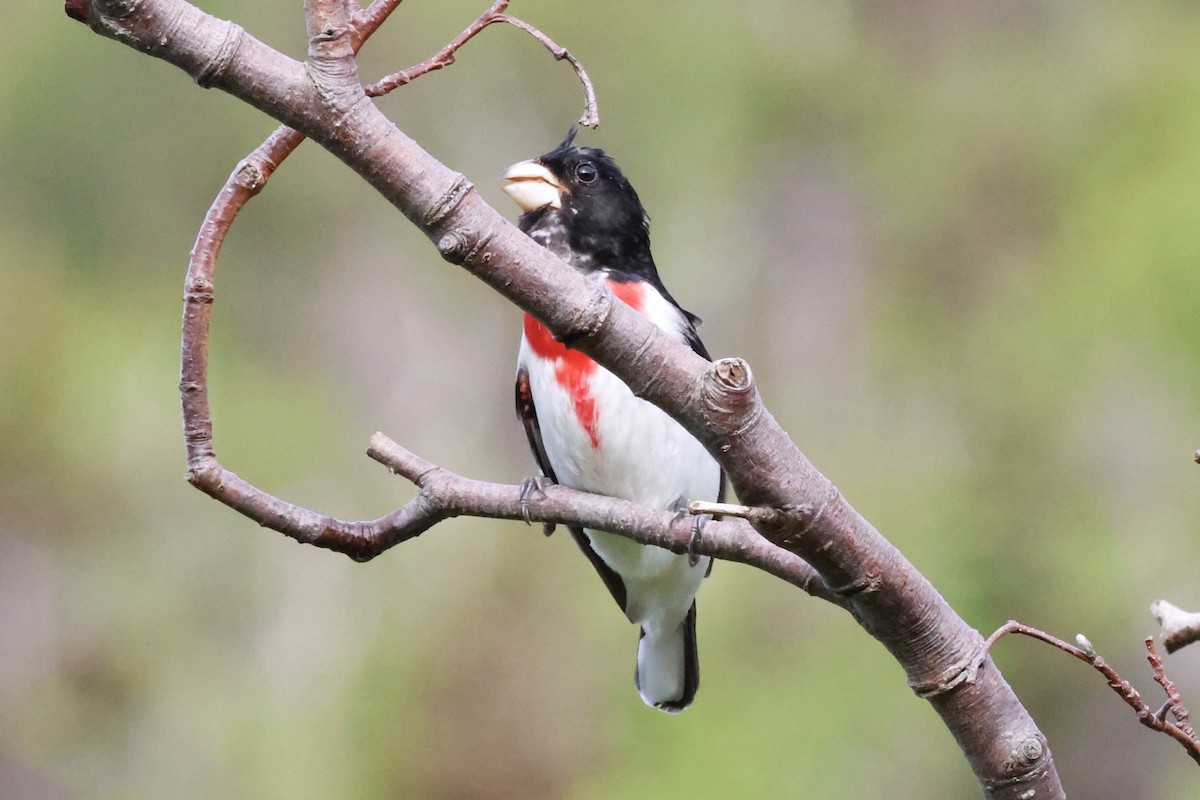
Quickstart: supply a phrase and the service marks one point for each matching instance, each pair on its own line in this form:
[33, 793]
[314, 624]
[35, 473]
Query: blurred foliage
[958, 242]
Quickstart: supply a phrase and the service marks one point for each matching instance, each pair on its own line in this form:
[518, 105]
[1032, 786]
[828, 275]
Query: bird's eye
[585, 171]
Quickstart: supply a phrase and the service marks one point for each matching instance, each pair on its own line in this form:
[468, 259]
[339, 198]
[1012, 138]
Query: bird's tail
[668, 666]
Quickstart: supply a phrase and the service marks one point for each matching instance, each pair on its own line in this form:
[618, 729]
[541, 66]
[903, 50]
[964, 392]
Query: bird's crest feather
[571, 134]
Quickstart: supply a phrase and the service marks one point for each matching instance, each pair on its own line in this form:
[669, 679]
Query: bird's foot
[693, 549]
[530, 487]
[697, 532]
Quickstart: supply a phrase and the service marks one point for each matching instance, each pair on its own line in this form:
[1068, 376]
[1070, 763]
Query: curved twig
[591, 114]
[446, 56]
[247, 180]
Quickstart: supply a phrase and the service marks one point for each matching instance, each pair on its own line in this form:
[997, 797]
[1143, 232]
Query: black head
[583, 190]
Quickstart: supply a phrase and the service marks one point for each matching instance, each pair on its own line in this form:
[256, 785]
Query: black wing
[527, 413]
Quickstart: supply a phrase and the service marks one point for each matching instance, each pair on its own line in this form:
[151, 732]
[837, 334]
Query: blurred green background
[958, 242]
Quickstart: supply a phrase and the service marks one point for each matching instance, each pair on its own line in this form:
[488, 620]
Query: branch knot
[1025, 764]
[870, 582]
[963, 671]
[789, 532]
[329, 34]
[120, 9]
[454, 247]
[588, 321]
[249, 176]
[199, 290]
[728, 391]
[214, 70]
[445, 205]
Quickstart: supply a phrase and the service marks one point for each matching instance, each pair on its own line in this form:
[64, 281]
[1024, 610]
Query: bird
[586, 428]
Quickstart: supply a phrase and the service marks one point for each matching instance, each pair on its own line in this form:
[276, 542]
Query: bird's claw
[693, 547]
[698, 522]
[530, 487]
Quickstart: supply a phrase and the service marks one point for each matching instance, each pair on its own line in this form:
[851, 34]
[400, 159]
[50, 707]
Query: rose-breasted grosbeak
[586, 428]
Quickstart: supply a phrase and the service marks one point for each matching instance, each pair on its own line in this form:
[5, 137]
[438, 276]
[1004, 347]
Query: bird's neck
[591, 251]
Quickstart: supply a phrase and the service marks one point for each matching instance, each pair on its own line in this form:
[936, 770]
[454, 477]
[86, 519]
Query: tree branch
[1180, 730]
[368, 19]
[1179, 628]
[453, 495]
[718, 403]
[359, 539]
[446, 56]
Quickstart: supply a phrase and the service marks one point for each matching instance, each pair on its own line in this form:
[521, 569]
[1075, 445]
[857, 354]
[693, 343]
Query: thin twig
[368, 20]
[1174, 698]
[442, 58]
[446, 56]
[591, 114]
[1181, 731]
[750, 513]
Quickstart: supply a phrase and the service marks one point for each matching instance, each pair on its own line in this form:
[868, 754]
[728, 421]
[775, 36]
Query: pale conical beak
[532, 186]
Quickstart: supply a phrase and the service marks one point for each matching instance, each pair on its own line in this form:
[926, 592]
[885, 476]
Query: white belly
[634, 451]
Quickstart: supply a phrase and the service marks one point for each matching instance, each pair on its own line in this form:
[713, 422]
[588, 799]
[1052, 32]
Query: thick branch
[717, 402]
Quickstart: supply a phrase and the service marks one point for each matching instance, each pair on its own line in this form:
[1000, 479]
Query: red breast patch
[572, 369]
